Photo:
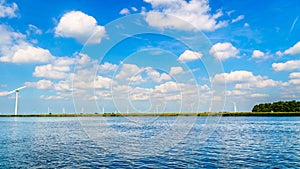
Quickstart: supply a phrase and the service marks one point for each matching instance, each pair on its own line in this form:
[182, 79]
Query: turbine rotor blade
[13, 91]
[20, 88]
[8, 93]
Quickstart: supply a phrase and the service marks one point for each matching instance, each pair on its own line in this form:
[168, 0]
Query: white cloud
[223, 51]
[64, 79]
[294, 79]
[130, 73]
[63, 86]
[287, 66]
[125, 11]
[80, 26]
[133, 9]
[291, 88]
[49, 71]
[293, 50]
[279, 53]
[59, 69]
[107, 67]
[155, 76]
[295, 75]
[33, 29]
[258, 54]
[176, 71]
[197, 13]
[246, 25]
[15, 49]
[30, 54]
[9, 37]
[261, 82]
[241, 17]
[51, 97]
[102, 82]
[236, 93]
[189, 55]
[244, 80]
[167, 87]
[8, 10]
[139, 93]
[294, 82]
[41, 84]
[258, 95]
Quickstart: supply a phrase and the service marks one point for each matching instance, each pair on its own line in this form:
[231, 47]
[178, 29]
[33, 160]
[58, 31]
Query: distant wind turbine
[234, 106]
[17, 93]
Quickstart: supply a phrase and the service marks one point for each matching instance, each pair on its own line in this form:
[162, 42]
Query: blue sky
[148, 55]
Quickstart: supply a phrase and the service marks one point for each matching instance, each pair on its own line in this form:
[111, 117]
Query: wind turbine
[234, 106]
[17, 93]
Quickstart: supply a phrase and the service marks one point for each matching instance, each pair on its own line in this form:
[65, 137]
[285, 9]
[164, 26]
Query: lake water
[150, 142]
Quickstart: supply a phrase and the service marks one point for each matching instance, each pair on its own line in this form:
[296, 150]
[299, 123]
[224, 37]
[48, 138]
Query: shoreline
[160, 114]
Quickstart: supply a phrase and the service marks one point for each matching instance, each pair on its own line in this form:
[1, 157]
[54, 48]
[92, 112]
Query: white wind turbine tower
[234, 106]
[17, 93]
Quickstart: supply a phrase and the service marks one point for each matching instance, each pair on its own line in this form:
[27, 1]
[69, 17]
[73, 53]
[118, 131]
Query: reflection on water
[237, 142]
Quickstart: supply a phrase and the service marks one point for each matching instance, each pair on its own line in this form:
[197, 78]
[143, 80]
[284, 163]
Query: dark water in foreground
[142, 142]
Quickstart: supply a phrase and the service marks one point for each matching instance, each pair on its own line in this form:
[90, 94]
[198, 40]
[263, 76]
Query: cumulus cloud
[189, 55]
[107, 67]
[49, 71]
[41, 84]
[287, 66]
[294, 80]
[15, 49]
[168, 87]
[293, 50]
[102, 82]
[258, 54]
[155, 76]
[130, 73]
[176, 70]
[244, 80]
[195, 12]
[80, 26]
[223, 51]
[8, 10]
[295, 75]
[59, 69]
[30, 54]
[140, 94]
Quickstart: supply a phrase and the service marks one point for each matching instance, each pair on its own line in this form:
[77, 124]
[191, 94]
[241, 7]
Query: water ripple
[237, 142]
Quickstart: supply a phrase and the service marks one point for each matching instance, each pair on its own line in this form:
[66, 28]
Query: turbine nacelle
[16, 90]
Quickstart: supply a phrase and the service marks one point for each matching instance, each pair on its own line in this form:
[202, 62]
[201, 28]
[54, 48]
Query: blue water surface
[229, 142]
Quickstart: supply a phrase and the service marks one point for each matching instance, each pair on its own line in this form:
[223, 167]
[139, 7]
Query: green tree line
[281, 106]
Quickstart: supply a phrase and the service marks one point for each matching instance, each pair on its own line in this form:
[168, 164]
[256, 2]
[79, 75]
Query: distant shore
[160, 114]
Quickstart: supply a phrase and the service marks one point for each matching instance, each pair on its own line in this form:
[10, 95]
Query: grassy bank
[162, 114]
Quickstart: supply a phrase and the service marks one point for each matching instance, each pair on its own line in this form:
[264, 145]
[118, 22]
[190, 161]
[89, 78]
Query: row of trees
[281, 106]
